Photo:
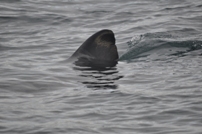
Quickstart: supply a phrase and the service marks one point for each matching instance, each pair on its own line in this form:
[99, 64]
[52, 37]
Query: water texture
[156, 87]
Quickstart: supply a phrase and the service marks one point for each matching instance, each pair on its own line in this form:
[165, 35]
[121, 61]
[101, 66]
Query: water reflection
[99, 78]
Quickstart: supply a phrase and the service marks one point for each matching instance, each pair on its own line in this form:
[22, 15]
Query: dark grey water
[156, 88]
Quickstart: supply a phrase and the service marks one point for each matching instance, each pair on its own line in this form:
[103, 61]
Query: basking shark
[99, 50]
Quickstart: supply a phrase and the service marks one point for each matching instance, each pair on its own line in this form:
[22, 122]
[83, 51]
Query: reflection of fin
[97, 50]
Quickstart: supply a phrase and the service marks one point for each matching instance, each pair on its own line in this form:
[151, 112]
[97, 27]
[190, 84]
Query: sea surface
[156, 87]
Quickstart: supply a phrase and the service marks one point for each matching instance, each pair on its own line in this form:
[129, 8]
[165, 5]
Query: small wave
[10, 1]
[99, 78]
[177, 8]
[162, 44]
[35, 18]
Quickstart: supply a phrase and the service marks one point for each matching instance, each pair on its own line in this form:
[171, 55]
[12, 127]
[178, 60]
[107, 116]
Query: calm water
[156, 88]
